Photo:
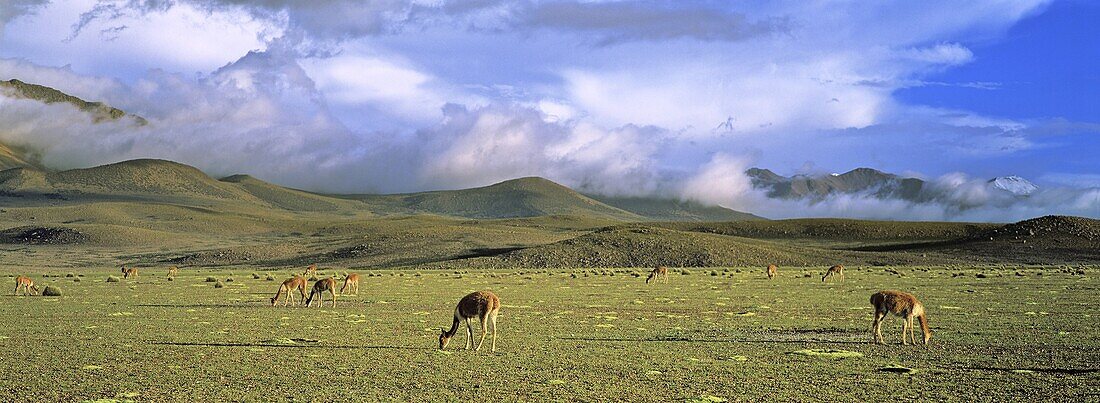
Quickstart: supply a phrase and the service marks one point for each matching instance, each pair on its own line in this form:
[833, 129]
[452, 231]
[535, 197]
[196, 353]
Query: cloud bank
[399, 96]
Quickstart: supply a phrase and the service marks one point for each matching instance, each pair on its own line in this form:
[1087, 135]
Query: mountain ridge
[100, 111]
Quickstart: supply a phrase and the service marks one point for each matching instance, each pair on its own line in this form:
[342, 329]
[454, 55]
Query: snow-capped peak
[1013, 184]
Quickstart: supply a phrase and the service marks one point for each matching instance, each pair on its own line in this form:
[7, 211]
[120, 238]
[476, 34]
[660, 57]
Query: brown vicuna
[772, 271]
[835, 271]
[657, 273]
[904, 305]
[26, 284]
[311, 270]
[173, 271]
[352, 281]
[483, 305]
[319, 289]
[296, 283]
[129, 273]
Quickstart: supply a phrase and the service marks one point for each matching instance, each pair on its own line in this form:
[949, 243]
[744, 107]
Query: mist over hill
[720, 190]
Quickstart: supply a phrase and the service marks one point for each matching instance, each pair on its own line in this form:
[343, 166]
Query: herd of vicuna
[484, 305]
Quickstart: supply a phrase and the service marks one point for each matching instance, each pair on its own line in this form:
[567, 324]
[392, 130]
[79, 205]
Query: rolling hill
[524, 197]
[161, 181]
[152, 180]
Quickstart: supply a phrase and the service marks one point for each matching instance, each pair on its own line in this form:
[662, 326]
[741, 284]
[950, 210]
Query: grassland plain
[1012, 333]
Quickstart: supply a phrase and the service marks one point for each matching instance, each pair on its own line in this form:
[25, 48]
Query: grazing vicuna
[835, 271]
[772, 271]
[352, 281]
[26, 284]
[657, 273]
[483, 305]
[173, 271]
[311, 270]
[904, 305]
[296, 283]
[129, 273]
[319, 289]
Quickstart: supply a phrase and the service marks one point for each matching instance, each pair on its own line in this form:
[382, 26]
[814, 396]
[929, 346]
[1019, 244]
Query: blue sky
[671, 98]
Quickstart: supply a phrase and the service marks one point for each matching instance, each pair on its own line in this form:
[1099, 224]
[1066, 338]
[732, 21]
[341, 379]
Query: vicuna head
[443, 338]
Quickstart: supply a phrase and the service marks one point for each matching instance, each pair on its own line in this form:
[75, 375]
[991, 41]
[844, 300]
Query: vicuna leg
[904, 330]
[333, 292]
[484, 330]
[877, 326]
[469, 334]
[912, 331]
[493, 319]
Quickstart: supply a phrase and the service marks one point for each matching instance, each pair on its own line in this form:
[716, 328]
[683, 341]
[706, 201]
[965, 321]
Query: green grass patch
[827, 353]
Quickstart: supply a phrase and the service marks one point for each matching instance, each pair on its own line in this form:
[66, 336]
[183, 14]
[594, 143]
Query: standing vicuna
[319, 289]
[26, 284]
[657, 273]
[483, 305]
[837, 270]
[296, 283]
[904, 305]
[311, 270]
[173, 271]
[352, 281]
[129, 273]
[772, 271]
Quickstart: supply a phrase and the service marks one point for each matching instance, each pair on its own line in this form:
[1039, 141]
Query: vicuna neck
[454, 327]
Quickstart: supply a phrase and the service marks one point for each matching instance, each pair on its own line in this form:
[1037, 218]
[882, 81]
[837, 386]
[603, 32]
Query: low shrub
[51, 291]
[112, 279]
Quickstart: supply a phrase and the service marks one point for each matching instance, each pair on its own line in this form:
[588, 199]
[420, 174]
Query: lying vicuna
[835, 271]
[26, 284]
[657, 273]
[130, 272]
[319, 289]
[904, 305]
[483, 305]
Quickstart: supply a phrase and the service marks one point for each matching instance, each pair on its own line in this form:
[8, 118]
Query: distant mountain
[659, 209]
[524, 197]
[1013, 184]
[100, 111]
[817, 187]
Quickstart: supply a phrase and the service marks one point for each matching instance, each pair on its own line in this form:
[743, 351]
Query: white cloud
[183, 39]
